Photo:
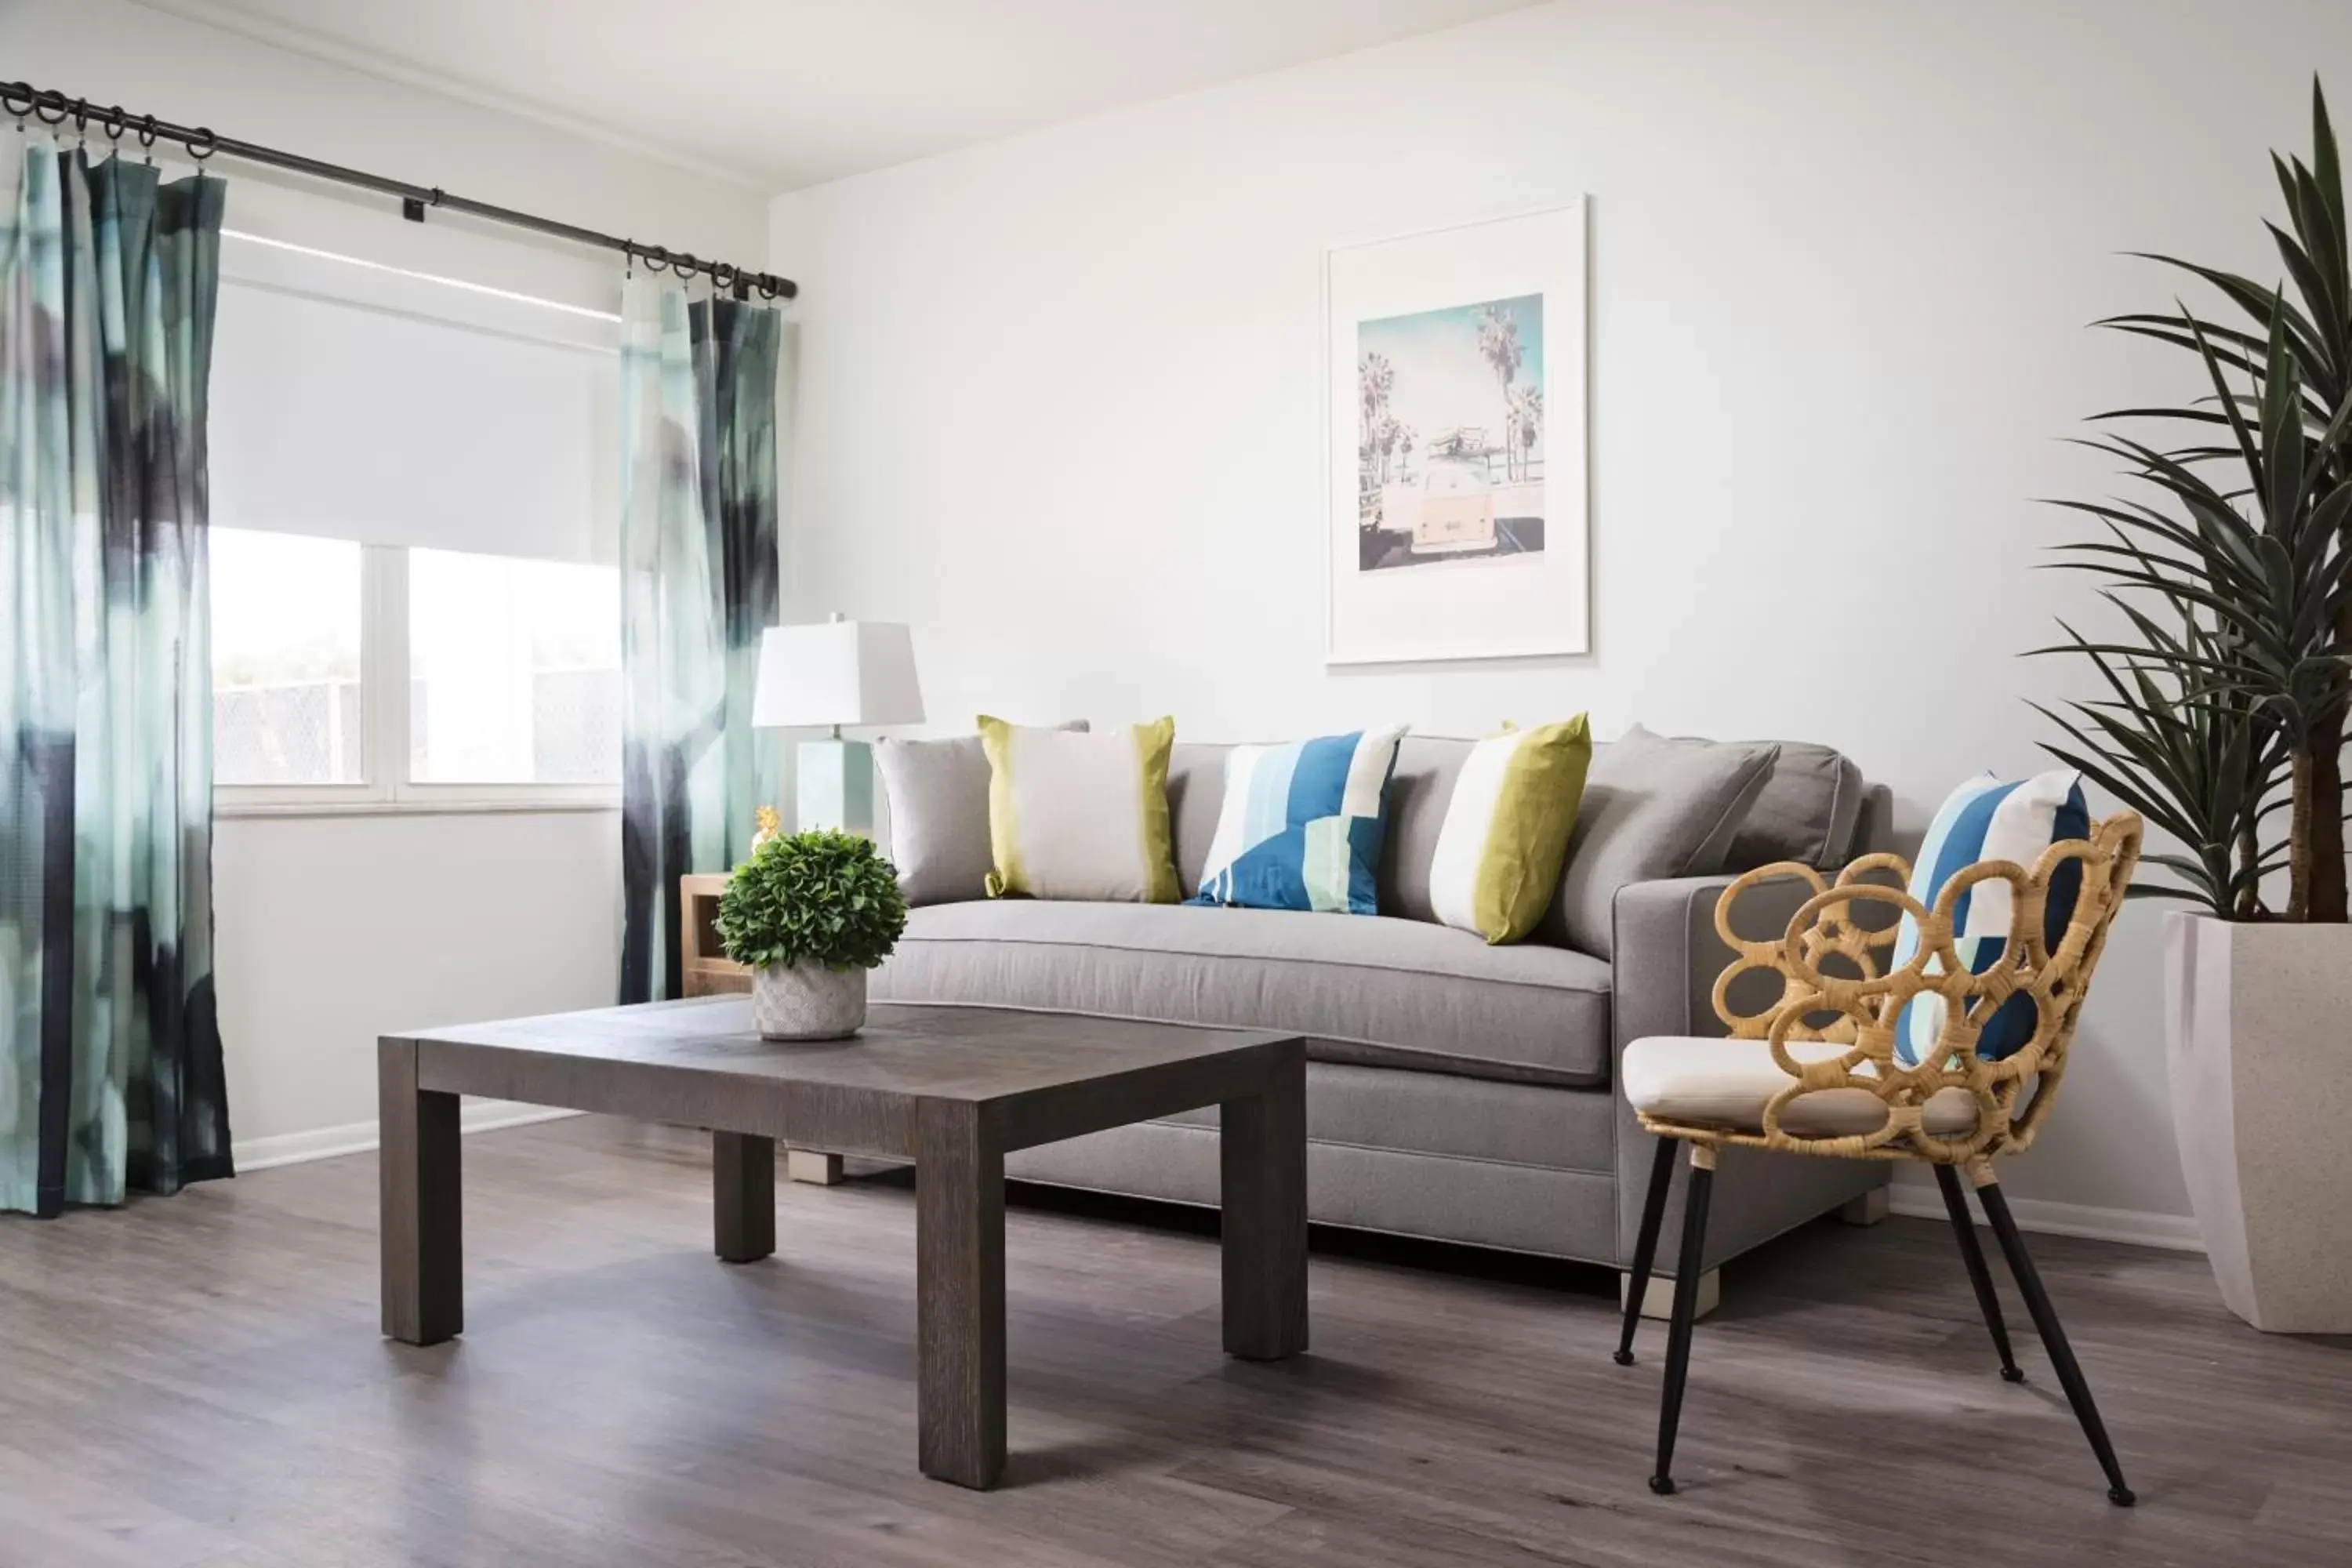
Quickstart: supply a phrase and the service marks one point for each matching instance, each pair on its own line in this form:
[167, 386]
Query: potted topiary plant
[809, 915]
[2228, 685]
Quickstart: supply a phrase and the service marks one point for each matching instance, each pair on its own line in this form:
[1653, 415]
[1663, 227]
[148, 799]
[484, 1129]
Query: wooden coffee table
[952, 1089]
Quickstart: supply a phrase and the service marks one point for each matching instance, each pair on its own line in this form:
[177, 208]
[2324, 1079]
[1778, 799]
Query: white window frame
[386, 788]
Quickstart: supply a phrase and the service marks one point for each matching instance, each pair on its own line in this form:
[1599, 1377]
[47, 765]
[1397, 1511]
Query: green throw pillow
[1507, 829]
[1080, 816]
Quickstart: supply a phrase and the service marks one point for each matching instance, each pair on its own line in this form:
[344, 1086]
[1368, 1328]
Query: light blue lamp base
[835, 786]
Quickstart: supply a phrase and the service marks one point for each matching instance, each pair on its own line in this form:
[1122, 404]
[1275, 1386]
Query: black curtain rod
[54, 108]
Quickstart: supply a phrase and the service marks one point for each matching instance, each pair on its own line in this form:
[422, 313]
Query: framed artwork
[1456, 437]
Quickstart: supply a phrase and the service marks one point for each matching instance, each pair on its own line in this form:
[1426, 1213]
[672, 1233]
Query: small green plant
[823, 898]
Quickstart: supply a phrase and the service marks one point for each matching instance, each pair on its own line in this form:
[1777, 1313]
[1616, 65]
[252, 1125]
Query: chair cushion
[1300, 826]
[1373, 990]
[1728, 1083]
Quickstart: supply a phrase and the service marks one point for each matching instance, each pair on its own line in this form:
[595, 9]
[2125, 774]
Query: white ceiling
[784, 93]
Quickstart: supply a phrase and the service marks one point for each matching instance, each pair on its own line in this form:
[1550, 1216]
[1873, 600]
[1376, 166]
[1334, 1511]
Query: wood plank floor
[200, 1380]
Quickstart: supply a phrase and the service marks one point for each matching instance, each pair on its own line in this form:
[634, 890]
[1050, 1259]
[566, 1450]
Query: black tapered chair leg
[1678, 1338]
[2054, 1339]
[1956, 1204]
[1646, 1244]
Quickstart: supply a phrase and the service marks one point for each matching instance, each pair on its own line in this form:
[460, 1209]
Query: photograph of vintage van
[1450, 435]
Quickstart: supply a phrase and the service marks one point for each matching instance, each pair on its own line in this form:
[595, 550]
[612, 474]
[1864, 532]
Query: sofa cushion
[1374, 990]
[1420, 790]
[1301, 825]
[935, 796]
[1652, 808]
[1079, 815]
[1809, 810]
[1507, 829]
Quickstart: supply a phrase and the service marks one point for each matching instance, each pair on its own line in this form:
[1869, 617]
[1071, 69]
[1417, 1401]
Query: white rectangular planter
[2259, 1026]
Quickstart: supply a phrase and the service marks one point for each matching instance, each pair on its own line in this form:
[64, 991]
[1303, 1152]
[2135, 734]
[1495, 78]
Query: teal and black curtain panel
[109, 1048]
[698, 584]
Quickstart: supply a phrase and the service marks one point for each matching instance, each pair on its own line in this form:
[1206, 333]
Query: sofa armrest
[1667, 956]
[1668, 953]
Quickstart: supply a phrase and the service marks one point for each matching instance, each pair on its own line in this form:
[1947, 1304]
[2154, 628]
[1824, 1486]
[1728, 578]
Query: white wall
[1059, 408]
[332, 930]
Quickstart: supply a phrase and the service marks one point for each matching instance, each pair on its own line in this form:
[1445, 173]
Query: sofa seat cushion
[1727, 1084]
[1370, 990]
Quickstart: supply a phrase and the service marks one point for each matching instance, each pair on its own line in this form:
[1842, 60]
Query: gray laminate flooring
[200, 1380]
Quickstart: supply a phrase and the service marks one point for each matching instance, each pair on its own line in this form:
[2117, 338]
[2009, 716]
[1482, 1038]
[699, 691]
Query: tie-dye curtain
[110, 1067]
[698, 584]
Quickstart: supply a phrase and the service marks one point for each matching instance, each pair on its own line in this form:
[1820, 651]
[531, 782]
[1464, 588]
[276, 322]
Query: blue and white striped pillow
[1301, 825]
[1986, 819]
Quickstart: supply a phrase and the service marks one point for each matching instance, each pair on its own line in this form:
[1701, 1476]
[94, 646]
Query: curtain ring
[114, 121]
[8, 102]
[212, 145]
[60, 105]
[657, 260]
[721, 274]
[147, 141]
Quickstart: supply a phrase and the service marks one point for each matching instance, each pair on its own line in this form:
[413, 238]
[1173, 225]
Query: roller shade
[351, 420]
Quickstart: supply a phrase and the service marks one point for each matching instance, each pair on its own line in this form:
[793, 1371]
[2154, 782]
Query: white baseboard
[2175, 1232]
[360, 1137]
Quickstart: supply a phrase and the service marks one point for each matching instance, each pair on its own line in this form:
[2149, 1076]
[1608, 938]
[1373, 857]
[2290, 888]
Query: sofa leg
[1867, 1209]
[1658, 1301]
[817, 1169]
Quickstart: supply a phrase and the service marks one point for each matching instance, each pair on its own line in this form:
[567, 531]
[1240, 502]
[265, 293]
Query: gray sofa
[1455, 1090]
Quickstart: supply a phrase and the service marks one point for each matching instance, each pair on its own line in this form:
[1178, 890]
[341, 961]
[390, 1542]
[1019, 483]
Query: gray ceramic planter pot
[2259, 1020]
[807, 1002]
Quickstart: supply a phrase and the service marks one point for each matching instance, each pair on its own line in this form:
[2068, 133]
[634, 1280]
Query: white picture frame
[1456, 499]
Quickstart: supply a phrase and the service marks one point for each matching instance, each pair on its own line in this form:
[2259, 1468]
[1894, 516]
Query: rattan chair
[1816, 1072]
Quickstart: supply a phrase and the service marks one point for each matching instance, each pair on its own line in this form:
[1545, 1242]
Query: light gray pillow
[1652, 808]
[1808, 811]
[937, 795]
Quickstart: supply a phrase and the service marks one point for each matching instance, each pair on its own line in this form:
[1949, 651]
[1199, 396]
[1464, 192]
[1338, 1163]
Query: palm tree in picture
[1526, 428]
[1498, 345]
[1375, 379]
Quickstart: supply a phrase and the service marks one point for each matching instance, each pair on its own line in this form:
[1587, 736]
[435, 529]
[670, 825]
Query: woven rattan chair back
[1836, 985]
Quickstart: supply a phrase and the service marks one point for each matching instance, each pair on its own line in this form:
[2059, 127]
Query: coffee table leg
[1262, 1152]
[424, 1252]
[959, 1295]
[743, 1196]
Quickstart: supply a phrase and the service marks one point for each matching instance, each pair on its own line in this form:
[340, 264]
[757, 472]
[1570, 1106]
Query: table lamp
[834, 673]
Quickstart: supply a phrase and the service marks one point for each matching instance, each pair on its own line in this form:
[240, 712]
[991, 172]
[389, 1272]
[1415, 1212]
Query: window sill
[535, 804]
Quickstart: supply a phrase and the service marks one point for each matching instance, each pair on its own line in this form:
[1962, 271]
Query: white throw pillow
[1074, 816]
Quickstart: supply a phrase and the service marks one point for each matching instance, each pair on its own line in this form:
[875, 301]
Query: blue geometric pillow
[1301, 825]
[1986, 819]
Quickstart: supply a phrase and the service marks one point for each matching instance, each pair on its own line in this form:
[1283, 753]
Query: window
[286, 704]
[514, 671]
[415, 502]
[501, 675]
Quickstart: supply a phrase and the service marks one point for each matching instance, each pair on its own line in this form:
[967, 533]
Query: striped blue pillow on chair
[1301, 825]
[1986, 819]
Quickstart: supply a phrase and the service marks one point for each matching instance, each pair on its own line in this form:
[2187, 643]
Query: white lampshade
[838, 672]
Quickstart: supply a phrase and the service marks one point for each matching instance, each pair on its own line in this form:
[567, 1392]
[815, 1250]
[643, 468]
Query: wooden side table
[707, 971]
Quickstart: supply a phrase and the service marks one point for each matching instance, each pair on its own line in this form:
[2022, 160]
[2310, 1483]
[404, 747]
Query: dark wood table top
[699, 1061]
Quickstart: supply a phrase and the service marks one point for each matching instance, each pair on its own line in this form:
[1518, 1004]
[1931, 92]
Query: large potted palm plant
[2226, 669]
